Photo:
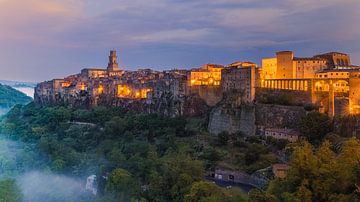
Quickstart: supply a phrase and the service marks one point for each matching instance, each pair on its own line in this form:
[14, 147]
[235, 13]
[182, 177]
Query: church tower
[113, 64]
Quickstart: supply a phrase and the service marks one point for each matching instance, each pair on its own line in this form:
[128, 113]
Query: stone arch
[321, 85]
[341, 86]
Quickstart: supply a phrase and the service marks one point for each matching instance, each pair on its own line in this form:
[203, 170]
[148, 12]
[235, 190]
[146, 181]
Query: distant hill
[25, 87]
[18, 84]
[10, 97]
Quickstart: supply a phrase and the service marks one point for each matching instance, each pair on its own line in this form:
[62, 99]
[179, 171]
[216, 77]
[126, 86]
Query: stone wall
[210, 94]
[278, 116]
[252, 119]
[232, 120]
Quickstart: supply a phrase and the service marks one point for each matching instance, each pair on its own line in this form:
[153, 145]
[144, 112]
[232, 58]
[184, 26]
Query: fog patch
[22, 162]
[40, 186]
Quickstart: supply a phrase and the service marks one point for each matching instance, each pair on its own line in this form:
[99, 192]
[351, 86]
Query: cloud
[176, 35]
[60, 27]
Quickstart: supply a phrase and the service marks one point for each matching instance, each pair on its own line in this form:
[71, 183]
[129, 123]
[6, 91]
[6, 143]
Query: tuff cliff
[251, 119]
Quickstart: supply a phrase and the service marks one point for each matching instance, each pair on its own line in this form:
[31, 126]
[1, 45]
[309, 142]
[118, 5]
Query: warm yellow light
[82, 87]
[101, 89]
[124, 91]
[137, 94]
[65, 84]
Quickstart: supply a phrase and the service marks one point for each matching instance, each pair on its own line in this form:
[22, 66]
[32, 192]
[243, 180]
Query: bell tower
[113, 64]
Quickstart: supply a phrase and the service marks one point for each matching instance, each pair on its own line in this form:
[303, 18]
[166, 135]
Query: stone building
[239, 78]
[280, 170]
[354, 92]
[286, 66]
[322, 80]
[336, 60]
[208, 75]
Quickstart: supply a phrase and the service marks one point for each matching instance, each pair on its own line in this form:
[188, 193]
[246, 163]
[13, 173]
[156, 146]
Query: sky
[46, 39]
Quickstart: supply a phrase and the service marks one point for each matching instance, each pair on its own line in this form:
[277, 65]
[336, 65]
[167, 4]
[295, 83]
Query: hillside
[10, 97]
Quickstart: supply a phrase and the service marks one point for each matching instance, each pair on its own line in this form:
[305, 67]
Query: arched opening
[341, 86]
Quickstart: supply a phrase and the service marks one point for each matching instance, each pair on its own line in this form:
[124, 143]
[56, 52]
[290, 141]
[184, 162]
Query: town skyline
[52, 39]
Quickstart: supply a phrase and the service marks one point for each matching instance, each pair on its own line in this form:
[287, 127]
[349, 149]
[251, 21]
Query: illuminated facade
[125, 91]
[208, 75]
[325, 79]
[354, 92]
[286, 66]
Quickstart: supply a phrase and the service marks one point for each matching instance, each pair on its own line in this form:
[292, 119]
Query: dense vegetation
[327, 173]
[143, 157]
[10, 97]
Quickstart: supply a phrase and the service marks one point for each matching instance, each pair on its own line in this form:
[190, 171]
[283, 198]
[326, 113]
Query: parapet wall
[278, 116]
[232, 120]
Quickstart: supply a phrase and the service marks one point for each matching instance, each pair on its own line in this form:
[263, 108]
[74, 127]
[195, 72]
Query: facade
[208, 75]
[269, 67]
[92, 84]
[322, 80]
[313, 80]
[336, 60]
[239, 78]
[286, 66]
[354, 92]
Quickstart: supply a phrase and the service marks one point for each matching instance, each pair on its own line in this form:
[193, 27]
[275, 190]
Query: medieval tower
[113, 64]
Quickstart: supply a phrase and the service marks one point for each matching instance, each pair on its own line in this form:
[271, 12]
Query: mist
[23, 163]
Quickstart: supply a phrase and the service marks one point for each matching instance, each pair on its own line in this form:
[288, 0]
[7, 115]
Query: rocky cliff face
[165, 105]
[232, 120]
[278, 116]
[251, 119]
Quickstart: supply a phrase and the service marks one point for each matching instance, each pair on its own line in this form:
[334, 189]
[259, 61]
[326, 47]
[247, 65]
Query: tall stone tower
[113, 64]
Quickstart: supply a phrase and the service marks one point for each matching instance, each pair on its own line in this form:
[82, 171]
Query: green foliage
[321, 175]
[111, 140]
[9, 191]
[208, 192]
[315, 126]
[122, 185]
[256, 195]
[10, 97]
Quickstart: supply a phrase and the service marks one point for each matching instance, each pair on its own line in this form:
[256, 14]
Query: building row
[321, 80]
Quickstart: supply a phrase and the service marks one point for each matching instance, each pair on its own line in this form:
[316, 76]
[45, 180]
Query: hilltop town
[241, 96]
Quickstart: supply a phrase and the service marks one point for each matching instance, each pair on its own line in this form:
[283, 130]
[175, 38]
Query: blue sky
[45, 39]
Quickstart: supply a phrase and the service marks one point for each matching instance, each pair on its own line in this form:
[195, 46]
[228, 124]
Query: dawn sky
[45, 39]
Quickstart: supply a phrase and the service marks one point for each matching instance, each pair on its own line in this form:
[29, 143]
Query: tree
[9, 191]
[315, 126]
[204, 191]
[209, 192]
[122, 185]
[321, 175]
[256, 195]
